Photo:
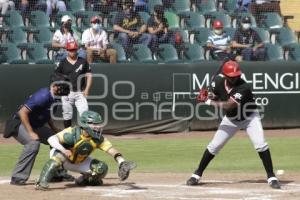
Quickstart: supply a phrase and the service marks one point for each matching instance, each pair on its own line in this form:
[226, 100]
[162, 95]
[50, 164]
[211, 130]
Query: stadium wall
[161, 98]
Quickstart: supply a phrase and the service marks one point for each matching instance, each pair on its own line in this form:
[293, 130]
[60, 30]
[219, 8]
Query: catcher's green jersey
[81, 145]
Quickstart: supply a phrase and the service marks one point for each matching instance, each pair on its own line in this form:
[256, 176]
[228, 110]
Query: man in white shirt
[95, 41]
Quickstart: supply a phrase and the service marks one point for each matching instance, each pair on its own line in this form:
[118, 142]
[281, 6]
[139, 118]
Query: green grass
[178, 155]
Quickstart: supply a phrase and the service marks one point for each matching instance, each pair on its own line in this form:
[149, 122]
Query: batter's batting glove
[203, 95]
[124, 169]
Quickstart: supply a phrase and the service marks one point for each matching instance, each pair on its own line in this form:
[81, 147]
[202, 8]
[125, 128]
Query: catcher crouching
[71, 150]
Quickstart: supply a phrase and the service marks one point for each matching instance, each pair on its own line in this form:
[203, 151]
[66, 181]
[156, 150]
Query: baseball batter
[232, 93]
[74, 68]
[72, 147]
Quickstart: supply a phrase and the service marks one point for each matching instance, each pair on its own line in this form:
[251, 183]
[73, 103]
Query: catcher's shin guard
[98, 168]
[47, 173]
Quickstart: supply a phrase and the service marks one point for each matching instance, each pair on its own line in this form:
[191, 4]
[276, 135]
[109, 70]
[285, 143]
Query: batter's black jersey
[241, 94]
[80, 67]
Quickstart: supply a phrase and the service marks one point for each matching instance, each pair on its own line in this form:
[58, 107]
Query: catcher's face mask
[97, 128]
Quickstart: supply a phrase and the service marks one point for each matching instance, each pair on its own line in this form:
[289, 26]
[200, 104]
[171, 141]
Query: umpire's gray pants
[31, 148]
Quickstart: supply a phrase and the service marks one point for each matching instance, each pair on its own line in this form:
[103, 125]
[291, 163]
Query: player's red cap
[217, 24]
[71, 45]
[231, 69]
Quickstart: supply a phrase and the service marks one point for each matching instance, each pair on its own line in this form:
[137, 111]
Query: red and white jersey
[94, 40]
[61, 38]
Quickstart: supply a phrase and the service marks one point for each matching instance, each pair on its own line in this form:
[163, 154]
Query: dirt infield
[143, 186]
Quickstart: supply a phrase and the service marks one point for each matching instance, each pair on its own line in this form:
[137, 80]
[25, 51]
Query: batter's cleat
[274, 183]
[193, 180]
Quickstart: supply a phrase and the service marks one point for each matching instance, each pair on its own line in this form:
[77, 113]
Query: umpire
[27, 126]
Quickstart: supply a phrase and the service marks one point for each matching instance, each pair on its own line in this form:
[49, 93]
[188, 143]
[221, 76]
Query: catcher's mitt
[125, 168]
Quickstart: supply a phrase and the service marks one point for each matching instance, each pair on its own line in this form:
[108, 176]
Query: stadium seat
[181, 7]
[167, 54]
[120, 52]
[13, 19]
[11, 54]
[263, 34]
[110, 22]
[230, 31]
[43, 35]
[272, 20]
[285, 37]
[17, 36]
[152, 3]
[173, 20]
[39, 19]
[230, 6]
[201, 36]
[36, 53]
[274, 52]
[145, 16]
[141, 54]
[193, 21]
[77, 7]
[294, 53]
[193, 53]
[206, 7]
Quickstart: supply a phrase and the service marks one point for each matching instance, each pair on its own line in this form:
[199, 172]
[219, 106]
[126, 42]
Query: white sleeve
[54, 142]
[85, 37]
[105, 40]
[56, 36]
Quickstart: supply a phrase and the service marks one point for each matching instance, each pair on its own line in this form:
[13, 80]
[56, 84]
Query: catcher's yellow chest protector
[80, 145]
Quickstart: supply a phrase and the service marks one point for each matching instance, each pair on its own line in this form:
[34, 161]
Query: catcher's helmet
[231, 69]
[218, 24]
[89, 120]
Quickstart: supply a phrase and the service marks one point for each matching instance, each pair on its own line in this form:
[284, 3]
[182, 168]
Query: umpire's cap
[231, 69]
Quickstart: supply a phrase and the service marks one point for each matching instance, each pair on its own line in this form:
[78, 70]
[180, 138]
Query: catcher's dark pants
[31, 148]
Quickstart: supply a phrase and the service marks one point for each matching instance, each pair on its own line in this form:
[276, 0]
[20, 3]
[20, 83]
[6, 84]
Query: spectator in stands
[258, 7]
[247, 42]
[62, 36]
[26, 6]
[242, 5]
[55, 5]
[158, 28]
[95, 41]
[106, 6]
[219, 42]
[4, 6]
[130, 28]
[141, 5]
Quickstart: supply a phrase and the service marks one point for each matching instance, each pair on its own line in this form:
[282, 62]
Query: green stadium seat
[181, 7]
[145, 16]
[110, 22]
[272, 20]
[206, 7]
[193, 53]
[77, 7]
[285, 37]
[39, 19]
[120, 52]
[263, 34]
[230, 6]
[36, 53]
[274, 52]
[141, 54]
[167, 54]
[43, 35]
[193, 21]
[17, 36]
[11, 54]
[201, 36]
[152, 3]
[294, 53]
[13, 19]
[230, 31]
[173, 20]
